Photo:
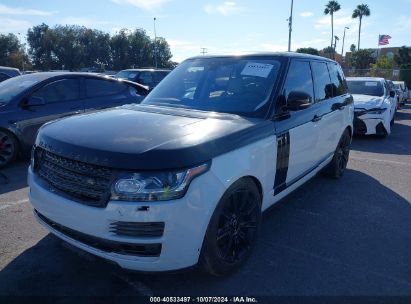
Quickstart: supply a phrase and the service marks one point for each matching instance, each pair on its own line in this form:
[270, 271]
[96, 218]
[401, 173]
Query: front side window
[366, 87]
[100, 87]
[232, 85]
[299, 82]
[322, 81]
[59, 91]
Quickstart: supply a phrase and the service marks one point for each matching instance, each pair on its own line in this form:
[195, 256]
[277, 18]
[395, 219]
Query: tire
[233, 229]
[8, 148]
[341, 155]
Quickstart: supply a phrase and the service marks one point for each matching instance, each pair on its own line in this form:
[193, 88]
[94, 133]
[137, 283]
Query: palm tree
[359, 12]
[330, 8]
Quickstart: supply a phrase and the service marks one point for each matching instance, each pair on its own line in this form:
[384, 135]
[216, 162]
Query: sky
[220, 26]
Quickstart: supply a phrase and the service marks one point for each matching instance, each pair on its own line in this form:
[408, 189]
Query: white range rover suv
[374, 105]
[182, 178]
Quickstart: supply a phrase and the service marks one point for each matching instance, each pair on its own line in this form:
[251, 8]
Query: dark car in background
[147, 77]
[6, 73]
[29, 101]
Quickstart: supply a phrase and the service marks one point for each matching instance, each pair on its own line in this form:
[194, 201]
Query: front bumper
[369, 124]
[89, 228]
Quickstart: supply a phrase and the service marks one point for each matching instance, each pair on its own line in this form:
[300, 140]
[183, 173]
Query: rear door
[101, 94]
[59, 98]
[297, 129]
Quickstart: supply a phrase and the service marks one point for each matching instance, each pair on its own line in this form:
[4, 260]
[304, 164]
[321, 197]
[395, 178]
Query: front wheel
[233, 229]
[340, 159]
[8, 148]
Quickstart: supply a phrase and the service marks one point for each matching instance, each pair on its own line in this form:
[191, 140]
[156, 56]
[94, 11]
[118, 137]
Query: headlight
[375, 111]
[155, 186]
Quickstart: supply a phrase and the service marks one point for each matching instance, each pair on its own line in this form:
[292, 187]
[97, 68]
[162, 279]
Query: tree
[12, 52]
[308, 50]
[352, 48]
[383, 62]
[74, 47]
[362, 59]
[330, 8]
[405, 74]
[140, 49]
[361, 11]
[163, 52]
[41, 40]
[404, 56]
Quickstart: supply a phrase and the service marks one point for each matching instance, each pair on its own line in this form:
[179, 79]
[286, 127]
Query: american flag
[384, 40]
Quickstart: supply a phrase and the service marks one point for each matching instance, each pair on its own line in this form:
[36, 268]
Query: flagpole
[378, 46]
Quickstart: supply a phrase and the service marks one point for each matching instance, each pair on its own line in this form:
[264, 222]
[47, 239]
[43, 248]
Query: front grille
[138, 229]
[144, 250]
[85, 183]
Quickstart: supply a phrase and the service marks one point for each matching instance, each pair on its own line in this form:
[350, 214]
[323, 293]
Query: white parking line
[11, 204]
[380, 161]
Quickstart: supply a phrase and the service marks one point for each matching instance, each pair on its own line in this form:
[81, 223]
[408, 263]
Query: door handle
[316, 118]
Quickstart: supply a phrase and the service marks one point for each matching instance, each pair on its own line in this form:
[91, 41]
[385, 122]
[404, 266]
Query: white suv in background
[375, 105]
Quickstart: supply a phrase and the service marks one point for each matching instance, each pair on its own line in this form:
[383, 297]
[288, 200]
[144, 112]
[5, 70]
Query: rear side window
[100, 87]
[60, 91]
[337, 79]
[299, 79]
[322, 82]
[146, 78]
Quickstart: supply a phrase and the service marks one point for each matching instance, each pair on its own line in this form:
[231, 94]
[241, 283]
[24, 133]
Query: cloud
[14, 26]
[147, 5]
[342, 18]
[8, 10]
[226, 8]
[87, 22]
[306, 14]
[182, 49]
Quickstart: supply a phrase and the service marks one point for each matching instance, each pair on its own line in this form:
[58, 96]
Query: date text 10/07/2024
[203, 300]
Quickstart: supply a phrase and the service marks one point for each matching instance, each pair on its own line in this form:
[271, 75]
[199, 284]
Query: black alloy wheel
[341, 155]
[237, 226]
[233, 229]
[8, 148]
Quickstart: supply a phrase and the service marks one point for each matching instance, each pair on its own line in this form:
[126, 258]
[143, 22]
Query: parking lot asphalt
[330, 237]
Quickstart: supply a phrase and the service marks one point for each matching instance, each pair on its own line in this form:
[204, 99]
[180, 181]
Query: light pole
[155, 42]
[342, 49]
[290, 26]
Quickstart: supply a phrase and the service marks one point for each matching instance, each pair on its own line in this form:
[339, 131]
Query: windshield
[130, 75]
[12, 87]
[372, 88]
[231, 85]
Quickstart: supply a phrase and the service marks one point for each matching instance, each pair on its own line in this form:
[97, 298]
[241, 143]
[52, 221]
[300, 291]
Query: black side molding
[283, 155]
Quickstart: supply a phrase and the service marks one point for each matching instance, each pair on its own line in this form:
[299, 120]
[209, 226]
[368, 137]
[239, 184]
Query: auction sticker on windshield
[371, 84]
[257, 69]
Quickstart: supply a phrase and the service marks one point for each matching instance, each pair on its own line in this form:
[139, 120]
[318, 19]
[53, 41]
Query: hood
[149, 138]
[367, 102]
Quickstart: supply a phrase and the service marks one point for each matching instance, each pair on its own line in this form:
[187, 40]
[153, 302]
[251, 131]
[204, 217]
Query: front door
[296, 127]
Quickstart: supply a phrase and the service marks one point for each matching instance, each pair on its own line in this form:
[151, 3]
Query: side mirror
[392, 94]
[298, 100]
[35, 101]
